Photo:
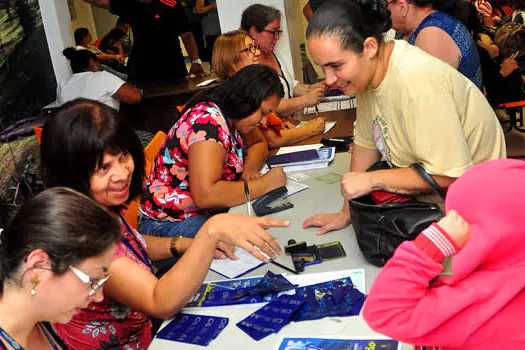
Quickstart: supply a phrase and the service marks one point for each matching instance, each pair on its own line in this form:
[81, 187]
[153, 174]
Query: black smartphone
[330, 251]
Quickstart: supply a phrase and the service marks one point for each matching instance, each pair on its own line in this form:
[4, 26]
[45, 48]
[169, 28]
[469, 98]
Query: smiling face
[110, 182]
[267, 39]
[257, 118]
[345, 68]
[67, 294]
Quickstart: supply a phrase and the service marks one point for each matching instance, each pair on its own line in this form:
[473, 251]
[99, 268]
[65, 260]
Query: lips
[121, 191]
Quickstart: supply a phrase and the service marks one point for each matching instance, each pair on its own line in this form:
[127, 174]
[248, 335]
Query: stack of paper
[303, 160]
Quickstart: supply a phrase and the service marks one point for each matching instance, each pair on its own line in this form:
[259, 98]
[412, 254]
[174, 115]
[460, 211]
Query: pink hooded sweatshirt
[482, 305]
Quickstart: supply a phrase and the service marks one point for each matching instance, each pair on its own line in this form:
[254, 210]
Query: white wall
[287, 47]
[82, 17]
[59, 33]
[104, 20]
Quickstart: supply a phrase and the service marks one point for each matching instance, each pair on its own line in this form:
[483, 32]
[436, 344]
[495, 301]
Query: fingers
[324, 229]
[219, 254]
[227, 250]
[315, 221]
[269, 222]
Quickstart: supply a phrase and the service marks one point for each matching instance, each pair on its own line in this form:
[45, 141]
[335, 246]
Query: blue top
[469, 64]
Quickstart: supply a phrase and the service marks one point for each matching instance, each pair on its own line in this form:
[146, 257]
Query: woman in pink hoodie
[480, 305]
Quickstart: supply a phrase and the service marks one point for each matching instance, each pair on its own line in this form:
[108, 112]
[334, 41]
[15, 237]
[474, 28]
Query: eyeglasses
[251, 48]
[273, 32]
[94, 283]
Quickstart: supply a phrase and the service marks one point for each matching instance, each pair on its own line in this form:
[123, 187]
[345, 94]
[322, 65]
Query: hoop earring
[34, 282]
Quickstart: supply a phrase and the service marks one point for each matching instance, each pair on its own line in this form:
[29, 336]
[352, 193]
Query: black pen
[267, 164]
[284, 267]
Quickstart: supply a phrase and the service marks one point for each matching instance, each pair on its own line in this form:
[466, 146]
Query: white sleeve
[110, 82]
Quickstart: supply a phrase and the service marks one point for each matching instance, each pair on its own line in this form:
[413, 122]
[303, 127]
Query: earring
[34, 282]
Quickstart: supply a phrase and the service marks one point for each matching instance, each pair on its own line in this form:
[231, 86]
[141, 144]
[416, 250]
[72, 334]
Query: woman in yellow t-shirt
[411, 106]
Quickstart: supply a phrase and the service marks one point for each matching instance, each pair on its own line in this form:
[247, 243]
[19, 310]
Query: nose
[330, 77]
[121, 172]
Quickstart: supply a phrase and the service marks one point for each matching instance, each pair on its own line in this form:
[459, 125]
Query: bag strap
[428, 179]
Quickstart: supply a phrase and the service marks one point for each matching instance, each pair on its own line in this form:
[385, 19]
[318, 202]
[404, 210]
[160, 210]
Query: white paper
[328, 126]
[207, 82]
[233, 268]
[294, 187]
[290, 149]
[298, 177]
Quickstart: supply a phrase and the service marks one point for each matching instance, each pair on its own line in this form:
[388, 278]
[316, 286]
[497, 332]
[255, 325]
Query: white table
[319, 198]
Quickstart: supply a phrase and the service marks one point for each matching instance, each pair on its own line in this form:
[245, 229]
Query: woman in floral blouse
[89, 147]
[199, 166]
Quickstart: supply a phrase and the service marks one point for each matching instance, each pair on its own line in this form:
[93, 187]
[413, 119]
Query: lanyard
[143, 256]
[10, 340]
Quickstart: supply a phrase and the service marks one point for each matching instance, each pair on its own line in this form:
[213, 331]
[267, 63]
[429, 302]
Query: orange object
[274, 122]
[38, 133]
[131, 213]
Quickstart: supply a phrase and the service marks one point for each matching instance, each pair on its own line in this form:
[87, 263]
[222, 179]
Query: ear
[371, 48]
[37, 258]
[253, 32]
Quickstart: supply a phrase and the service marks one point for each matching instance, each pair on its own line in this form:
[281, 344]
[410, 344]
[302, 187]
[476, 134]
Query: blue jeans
[164, 228]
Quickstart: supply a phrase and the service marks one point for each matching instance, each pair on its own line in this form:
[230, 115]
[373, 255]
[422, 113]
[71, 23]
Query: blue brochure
[193, 329]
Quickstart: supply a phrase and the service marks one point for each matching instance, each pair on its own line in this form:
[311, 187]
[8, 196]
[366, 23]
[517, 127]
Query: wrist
[196, 61]
[435, 243]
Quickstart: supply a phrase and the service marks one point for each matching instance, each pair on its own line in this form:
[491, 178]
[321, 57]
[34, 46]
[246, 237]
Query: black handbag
[381, 228]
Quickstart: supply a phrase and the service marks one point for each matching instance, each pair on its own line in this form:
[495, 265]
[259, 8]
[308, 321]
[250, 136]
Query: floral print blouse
[110, 324]
[168, 194]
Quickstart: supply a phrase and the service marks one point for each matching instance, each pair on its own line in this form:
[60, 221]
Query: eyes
[106, 165]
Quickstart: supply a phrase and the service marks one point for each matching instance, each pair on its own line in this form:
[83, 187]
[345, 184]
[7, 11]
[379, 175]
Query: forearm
[190, 45]
[203, 9]
[159, 247]
[288, 136]
[405, 181]
[290, 106]
[106, 56]
[256, 154]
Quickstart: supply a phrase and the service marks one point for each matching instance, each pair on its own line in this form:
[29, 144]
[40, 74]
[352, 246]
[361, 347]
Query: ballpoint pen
[247, 195]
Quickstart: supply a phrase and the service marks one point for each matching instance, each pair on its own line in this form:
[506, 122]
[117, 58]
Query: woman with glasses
[263, 24]
[235, 50]
[54, 260]
[437, 27]
[89, 147]
[411, 107]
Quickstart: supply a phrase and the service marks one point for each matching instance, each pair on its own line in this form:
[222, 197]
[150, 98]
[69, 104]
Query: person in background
[235, 50]
[479, 305]
[211, 27]
[112, 63]
[518, 15]
[401, 117]
[88, 81]
[199, 167]
[127, 42]
[487, 13]
[112, 42]
[89, 147]
[310, 8]
[54, 260]
[436, 26]
[263, 24]
[156, 56]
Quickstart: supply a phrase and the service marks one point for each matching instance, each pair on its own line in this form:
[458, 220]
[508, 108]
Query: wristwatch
[197, 60]
[173, 246]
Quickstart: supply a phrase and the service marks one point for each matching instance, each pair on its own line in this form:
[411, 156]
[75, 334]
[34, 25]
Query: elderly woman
[235, 50]
[54, 260]
[199, 168]
[263, 24]
[434, 26]
[89, 147]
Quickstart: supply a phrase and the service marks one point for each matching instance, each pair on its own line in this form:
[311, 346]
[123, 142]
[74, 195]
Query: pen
[284, 267]
[267, 164]
[336, 140]
[247, 195]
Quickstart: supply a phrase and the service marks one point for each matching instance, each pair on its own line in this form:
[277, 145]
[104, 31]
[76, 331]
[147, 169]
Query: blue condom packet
[193, 329]
[218, 297]
[271, 317]
[270, 283]
[334, 298]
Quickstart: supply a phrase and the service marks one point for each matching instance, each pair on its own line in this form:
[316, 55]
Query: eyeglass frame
[253, 48]
[86, 279]
[273, 32]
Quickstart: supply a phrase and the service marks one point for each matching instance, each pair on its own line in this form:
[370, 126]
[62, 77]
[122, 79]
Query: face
[87, 39]
[94, 65]
[110, 182]
[257, 118]
[68, 294]
[249, 55]
[269, 36]
[398, 14]
[351, 71]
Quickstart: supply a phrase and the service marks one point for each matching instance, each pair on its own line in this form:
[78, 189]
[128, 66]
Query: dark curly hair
[242, 94]
[351, 20]
[258, 16]
[79, 59]
[67, 225]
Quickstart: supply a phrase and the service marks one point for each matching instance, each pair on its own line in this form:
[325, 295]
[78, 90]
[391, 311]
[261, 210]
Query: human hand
[247, 232]
[275, 177]
[316, 126]
[288, 124]
[327, 222]
[313, 96]
[456, 227]
[197, 70]
[119, 59]
[249, 173]
[356, 184]
[508, 66]
[225, 250]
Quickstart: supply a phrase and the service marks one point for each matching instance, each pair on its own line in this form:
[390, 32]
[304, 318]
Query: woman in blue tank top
[436, 27]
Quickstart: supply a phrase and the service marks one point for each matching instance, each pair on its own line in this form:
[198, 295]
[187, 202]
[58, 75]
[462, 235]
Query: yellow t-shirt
[426, 112]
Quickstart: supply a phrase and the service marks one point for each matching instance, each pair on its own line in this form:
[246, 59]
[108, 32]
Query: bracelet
[173, 246]
[197, 61]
